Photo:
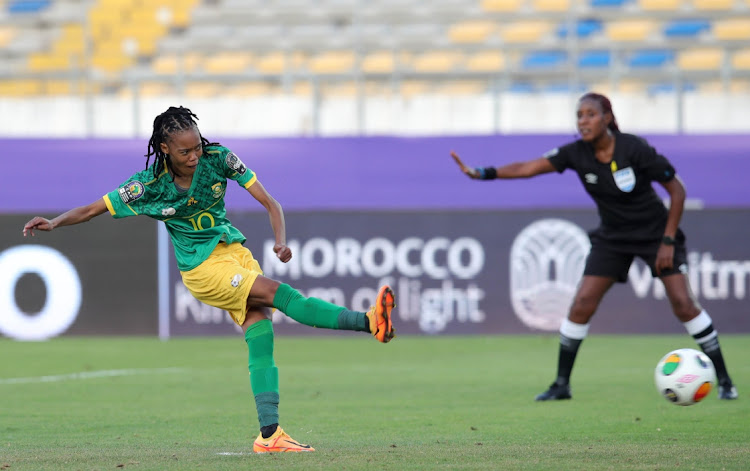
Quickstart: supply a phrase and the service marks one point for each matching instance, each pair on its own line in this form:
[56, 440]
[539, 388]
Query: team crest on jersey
[131, 191]
[625, 179]
[235, 163]
[217, 190]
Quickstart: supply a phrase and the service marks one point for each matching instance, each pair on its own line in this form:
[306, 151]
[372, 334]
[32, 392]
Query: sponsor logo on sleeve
[235, 163]
[551, 153]
[131, 191]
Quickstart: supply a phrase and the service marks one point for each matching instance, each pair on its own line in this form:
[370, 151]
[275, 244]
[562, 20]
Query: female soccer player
[617, 169]
[185, 188]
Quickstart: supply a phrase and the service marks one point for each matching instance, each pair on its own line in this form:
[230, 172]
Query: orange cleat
[379, 316]
[279, 442]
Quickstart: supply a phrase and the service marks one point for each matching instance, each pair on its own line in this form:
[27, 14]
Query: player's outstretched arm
[276, 215]
[525, 169]
[68, 218]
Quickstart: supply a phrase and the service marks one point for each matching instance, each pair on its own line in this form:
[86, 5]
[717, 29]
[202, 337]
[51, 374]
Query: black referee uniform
[632, 215]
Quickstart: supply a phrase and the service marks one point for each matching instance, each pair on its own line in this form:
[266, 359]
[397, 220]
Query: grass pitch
[417, 403]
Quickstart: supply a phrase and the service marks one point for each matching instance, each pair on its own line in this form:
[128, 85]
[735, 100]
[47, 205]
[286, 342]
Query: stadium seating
[229, 43]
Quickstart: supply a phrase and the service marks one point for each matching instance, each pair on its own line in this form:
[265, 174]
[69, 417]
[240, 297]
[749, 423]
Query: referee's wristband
[487, 173]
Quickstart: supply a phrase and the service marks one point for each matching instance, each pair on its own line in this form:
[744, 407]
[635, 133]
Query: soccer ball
[685, 376]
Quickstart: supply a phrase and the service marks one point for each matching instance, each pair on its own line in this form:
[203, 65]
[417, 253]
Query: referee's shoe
[727, 391]
[555, 393]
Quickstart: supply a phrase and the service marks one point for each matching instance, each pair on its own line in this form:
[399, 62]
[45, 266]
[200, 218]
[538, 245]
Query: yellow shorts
[224, 279]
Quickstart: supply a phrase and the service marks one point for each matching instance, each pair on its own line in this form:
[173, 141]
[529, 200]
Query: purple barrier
[378, 173]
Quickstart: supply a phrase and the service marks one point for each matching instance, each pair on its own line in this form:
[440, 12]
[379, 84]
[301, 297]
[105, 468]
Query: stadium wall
[466, 257]
[334, 116]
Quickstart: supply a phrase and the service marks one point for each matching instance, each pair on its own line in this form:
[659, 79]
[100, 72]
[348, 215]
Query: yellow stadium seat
[105, 4]
[227, 62]
[629, 30]
[436, 61]
[72, 41]
[501, 5]
[525, 31]
[741, 59]
[172, 64]
[20, 87]
[700, 59]
[43, 62]
[155, 89]
[340, 89]
[733, 86]
[251, 89]
[271, 63]
[486, 61]
[61, 87]
[739, 86]
[732, 29]
[463, 87]
[660, 4]
[379, 62]
[471, 31]
[414, 87]
[551, 5]
[713, 4]
[630, 86]
[332, 62]
[111, 62]
[302, 89]
[202, 89]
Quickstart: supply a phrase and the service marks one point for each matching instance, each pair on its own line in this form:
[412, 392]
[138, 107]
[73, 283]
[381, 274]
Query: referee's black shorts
[612, 260]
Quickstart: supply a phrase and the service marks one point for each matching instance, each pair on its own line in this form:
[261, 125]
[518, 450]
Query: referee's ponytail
[606, 108]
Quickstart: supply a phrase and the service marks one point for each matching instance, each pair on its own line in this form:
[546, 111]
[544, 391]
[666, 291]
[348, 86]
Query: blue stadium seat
[583, 28]
[594, 59]
[608, 3]
[650, 58]
[564, 87]
[657, 88]
[686, 28]
[543, 59]
[522, 87]
[27, 6]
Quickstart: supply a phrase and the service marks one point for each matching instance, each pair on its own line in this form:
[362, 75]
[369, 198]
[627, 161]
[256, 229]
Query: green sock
[264, 376]
[316, 312]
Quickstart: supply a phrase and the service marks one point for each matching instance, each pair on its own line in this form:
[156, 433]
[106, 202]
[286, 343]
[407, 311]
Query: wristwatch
[666, 240]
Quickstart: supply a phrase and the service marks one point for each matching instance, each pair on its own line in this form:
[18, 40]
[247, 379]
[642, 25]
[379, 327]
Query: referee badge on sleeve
[625, 179]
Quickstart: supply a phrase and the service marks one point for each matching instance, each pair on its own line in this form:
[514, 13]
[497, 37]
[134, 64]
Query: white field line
[236, 453]
[89, 375]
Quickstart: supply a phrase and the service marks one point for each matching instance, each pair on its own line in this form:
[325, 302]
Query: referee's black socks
[702, 330]
[571, 336]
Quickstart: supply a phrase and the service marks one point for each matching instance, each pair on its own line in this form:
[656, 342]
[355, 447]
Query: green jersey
[196, 219]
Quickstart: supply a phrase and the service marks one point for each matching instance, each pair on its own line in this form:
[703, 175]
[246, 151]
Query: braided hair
[606, 107]
[174, 120]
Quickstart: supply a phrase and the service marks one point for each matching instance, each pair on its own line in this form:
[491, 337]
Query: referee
[617, 169]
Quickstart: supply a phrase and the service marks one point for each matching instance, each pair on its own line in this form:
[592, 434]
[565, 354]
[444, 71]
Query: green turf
[416, 403]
